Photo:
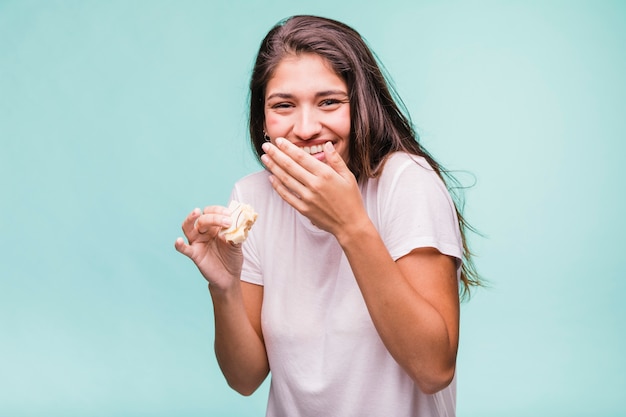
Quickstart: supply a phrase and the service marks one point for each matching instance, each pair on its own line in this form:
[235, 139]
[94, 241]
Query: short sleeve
[415, 209]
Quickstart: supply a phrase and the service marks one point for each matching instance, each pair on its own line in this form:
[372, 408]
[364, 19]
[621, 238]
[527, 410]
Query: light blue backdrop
[119, 117]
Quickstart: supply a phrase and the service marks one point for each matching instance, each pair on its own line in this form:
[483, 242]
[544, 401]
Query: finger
[212, 223]
[282, 176]
[293, 160]
[182, 247]
[213, 215]
[189, 223]
[217, 210]
[334, 160]
[305, 160]
[315, 169]
[286, 194]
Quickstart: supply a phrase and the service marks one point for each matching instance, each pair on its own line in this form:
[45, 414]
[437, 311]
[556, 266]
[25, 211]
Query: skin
[306, 102]
[413, 302]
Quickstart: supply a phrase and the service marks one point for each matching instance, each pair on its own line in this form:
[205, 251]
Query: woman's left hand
[326, 193]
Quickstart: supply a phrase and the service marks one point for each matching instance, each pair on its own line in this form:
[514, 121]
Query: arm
[413, 302]
[239, 345]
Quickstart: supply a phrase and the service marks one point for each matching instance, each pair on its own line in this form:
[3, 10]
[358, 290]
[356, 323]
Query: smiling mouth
[312, 150]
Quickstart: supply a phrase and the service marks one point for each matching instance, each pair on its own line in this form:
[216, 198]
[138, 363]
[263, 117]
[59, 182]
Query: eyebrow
[319, 94]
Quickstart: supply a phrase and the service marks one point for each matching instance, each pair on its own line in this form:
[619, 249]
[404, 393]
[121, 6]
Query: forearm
[239, 349]
[414, 331]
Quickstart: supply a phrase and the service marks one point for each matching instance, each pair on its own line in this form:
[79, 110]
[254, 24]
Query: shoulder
[253, 179]
[399, 163]
[252, 186]
[401, 169]
[413, 208]
[256, 190]
[406, 184]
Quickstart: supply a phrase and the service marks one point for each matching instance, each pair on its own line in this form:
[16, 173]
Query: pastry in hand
[243, 217]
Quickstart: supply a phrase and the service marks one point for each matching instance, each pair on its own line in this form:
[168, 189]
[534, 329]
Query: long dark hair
[379, 126]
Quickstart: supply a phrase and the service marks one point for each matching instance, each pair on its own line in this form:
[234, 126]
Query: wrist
[225, 293]
[356, 231]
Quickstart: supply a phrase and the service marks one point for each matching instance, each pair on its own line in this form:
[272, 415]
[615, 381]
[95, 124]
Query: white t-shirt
[325, 356]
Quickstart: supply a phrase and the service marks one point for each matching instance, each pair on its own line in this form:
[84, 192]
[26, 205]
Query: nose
[307, 124]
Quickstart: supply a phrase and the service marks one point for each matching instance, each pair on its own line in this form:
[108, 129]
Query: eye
[330, 102]
[282, 105]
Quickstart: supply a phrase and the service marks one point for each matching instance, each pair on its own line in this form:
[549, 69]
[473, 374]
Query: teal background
[119, 117]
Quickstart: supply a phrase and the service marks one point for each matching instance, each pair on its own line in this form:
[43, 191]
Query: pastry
[243, 217]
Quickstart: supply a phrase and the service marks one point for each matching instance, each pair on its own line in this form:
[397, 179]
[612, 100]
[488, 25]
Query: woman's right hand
[219, 261]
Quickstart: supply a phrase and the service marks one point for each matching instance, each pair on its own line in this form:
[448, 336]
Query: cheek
[342, 123]
[273, 123]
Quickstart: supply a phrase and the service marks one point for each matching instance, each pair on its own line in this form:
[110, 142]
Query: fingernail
[280, 141]
[265, 146]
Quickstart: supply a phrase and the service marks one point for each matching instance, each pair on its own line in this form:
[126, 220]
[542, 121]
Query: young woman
[347, 288]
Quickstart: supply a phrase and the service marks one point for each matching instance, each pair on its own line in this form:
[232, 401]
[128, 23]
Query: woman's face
[307, 103]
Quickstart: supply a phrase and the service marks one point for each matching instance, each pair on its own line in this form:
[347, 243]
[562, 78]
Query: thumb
[183, 248]
[335, 161]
